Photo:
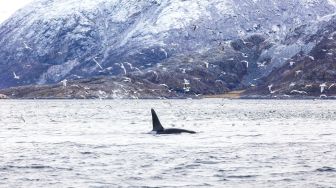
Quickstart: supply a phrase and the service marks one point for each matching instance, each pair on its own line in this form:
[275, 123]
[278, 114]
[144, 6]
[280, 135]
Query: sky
[8, 7]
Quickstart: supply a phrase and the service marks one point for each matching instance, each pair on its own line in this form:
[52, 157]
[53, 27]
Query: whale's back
[176, 131]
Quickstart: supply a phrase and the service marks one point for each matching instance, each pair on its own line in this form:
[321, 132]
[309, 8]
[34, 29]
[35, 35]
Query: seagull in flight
[16, 77]
[94, 59]
[291, 63]
[26, 46]
[270, 89]
[311, 57]
[164, 51]
[246, 63]
[64, 82]
[206, 64]
[323, 86]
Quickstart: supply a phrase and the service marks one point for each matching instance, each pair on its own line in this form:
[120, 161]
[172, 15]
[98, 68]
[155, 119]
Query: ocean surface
[240, 143]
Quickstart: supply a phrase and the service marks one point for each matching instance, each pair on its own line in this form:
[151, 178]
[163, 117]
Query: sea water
[240, 143]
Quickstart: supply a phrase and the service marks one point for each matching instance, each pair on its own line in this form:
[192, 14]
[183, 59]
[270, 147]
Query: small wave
[192, 166]
[187, 166]
[135, 178]
[28, 167]
[251, 135]
[31, 179]
[13, 128]
[101, 147]
[206, 162]
[326, 169]
[241, 176]
[39, 167]
[327, 134]
[287, 179]
[157, 177]
[86, 153]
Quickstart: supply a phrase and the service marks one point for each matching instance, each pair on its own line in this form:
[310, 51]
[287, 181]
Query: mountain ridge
[218, 42]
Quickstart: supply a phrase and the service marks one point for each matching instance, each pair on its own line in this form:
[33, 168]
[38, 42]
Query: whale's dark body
[158, 128]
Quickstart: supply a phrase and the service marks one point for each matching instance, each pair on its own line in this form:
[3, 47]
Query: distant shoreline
[234, 95]
[227, 97]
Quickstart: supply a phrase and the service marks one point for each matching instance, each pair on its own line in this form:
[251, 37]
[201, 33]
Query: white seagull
[94, 59]
[16, 77]
[64, 82]
[299, 92]
[270, 88]
[123, 67]
[186, 85]
[246, 62]
[323, 86]
[311, 57]
[291, 63]
[164, 51]
[26, 46]
[206, 64]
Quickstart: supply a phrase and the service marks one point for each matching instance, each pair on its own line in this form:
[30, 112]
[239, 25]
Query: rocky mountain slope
[312, 74]
[189, 47]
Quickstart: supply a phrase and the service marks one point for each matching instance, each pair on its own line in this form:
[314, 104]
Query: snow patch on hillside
[333, 2]
[57, 72]
[179, 14]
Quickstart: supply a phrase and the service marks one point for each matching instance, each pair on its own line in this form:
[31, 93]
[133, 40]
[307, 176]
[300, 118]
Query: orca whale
[158, 128]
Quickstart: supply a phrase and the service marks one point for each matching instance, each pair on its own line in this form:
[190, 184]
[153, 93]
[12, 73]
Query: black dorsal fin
[156, 122]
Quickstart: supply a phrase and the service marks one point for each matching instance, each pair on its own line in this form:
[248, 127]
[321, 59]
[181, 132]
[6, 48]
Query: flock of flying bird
[186, 83]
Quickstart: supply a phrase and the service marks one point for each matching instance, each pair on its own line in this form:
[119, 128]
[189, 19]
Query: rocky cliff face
[193, 46]
[312, 74]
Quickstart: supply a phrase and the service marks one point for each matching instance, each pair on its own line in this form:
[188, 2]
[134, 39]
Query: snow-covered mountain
[228, 44]
[310, 74]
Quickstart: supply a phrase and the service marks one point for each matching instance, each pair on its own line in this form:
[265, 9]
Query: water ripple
[240, 143]
[326, 169]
